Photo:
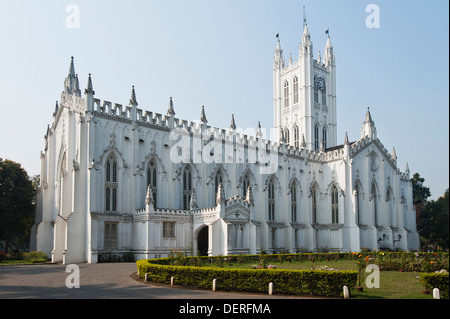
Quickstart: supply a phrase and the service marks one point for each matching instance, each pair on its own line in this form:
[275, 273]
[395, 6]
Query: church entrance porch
[203, 241]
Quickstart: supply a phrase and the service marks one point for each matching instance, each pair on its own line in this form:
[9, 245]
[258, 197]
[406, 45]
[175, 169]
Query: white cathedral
[117, 179]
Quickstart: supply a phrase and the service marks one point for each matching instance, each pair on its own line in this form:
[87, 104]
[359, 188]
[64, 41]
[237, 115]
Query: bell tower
[304, 96]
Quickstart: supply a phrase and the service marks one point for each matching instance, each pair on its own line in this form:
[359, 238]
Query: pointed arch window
[217, 180]
[296, 136]
[286, 93]
[314, 204]
[374, 204]
[152, 179]
[316, 137]
[357, 204]
[271, 200]
[324, 96]
[316, 93]
[334, 205]
[111, 184]
[293, 202]
[295, 89]
[187, 187]
[286, 135]
[324, 137]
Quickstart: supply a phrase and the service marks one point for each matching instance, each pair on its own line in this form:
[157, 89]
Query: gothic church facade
[119, 179]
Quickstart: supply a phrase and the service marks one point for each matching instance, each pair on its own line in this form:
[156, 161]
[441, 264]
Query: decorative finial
[258, 131]
[89, 88]
[220, 194]
[233, 124]
[203, 116]
[133, 100]
[171, 110]
[193, 203]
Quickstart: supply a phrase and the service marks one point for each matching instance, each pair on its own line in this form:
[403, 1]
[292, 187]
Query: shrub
[313, 282]
[2, 256]
[35, 256]
[436, 280]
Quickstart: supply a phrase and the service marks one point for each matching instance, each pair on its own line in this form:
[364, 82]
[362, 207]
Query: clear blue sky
[220, 54]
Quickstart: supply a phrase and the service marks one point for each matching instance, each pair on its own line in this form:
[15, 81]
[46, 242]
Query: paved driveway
[104, 281]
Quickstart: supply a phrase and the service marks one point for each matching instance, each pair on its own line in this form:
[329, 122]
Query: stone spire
[249, 197]
[220, 194]
[394, 154]
[233, 124]
[171, 110]
[133, 100]
[258, 131]
[368, 127]
[278, 61]
[193, 203]
[70, 83]
[203, 119]
[303, 145]
[56, 109]
[149, 200]
[89, 89]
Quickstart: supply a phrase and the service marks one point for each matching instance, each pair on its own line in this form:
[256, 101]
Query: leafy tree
[420, 192]
[16, 205]
[435, 223]
[420, 196]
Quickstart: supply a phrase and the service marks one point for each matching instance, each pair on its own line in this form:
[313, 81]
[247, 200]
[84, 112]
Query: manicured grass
[393, 284]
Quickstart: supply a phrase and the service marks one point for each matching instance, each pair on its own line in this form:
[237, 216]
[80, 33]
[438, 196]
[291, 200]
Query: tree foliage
[420, 192]
[435, 223]
[16, 205]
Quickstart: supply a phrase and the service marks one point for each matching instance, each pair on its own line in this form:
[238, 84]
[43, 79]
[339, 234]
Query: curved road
[98, 281]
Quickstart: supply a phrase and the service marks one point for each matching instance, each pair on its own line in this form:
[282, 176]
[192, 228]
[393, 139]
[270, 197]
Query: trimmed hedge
[436, 280]
[312, 282]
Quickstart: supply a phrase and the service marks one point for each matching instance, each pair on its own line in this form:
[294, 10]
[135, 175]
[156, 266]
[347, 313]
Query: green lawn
[393, 284]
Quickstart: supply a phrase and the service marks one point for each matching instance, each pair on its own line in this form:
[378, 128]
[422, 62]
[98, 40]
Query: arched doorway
[203, 241]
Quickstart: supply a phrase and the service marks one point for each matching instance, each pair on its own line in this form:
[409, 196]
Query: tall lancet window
[111, 185]
[286, 93]
[293, 202]
[295, 90]
[324, 96]
[217, 180]
[374, 204]
[357, 204]
[187, 187]
[334, 205]
[151, 179]
[314, 204]
[271, 200]
[286, 136]
[324, 137]
[316, 137]
[316, 93]
[296, 136]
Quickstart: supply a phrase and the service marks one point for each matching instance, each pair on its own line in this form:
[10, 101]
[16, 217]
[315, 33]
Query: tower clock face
[320, 82]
